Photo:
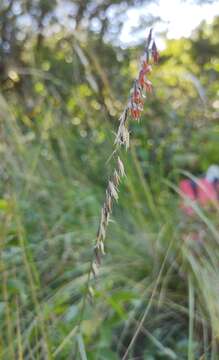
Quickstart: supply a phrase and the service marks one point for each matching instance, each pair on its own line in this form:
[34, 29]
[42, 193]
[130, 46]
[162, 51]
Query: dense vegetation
[61, 96]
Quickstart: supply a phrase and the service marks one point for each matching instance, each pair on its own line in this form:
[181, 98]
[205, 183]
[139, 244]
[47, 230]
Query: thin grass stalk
[141, 87]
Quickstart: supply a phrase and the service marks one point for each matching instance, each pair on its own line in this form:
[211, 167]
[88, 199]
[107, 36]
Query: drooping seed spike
[134, 107]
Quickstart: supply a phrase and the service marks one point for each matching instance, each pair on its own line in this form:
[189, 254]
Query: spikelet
[121, 169]
[122, 137]
[116, 178]
[112, 191]
[94, 268]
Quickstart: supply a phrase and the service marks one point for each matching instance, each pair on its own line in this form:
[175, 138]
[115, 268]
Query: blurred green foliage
[60, 98]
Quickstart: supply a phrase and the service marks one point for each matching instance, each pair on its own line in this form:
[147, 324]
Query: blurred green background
[64, 83]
